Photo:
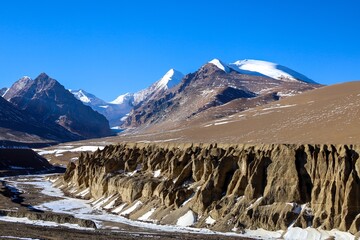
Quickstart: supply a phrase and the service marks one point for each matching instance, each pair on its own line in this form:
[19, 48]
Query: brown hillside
[326, 115]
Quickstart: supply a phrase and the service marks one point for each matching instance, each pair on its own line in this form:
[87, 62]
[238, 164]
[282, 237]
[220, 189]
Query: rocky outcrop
[224, 187]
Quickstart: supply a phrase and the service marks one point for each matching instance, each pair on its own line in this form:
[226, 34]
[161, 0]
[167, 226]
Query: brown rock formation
[271, 186]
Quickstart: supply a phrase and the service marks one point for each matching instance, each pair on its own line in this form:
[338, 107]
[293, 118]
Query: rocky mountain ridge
[19, 126]
[210, 86]
[113, 111]
[224, 187]
[116, 110]
[47, 101]
[137, 109]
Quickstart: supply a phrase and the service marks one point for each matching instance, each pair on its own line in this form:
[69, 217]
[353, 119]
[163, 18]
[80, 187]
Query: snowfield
[64, 149]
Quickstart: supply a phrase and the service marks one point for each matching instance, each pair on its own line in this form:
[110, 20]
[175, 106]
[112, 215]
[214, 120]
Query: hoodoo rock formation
[224, 187]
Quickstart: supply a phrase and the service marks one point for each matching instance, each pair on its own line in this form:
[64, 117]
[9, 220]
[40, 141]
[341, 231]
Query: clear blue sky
[112, 47]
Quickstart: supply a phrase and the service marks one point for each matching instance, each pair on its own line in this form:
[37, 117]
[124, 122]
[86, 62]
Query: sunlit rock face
[224, 187]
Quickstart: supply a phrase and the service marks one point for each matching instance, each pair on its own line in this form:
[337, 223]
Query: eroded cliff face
[224, 187]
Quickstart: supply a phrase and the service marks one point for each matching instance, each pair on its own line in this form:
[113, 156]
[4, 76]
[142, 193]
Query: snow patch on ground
[84, 192]
[21, 238]
[220, 123]
[188, 200]
[41, 222]
[263, 234]
[78, 149]
[111, 204]
[119, 208]
[132, 208]
[157, 173]
[187, 220]
[102, 202]
[277, 106]
[209, 220]
[251, 205]
[147, 215]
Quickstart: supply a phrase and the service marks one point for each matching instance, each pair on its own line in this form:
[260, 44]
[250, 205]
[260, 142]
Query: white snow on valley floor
[59, 151]
[263, 234]
[82, 209]
[20, 238]
[187, 220]
[296, 233]
[41, 222]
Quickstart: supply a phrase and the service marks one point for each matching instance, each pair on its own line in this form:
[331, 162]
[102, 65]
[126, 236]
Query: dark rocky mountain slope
[17, 126]
[47, 101]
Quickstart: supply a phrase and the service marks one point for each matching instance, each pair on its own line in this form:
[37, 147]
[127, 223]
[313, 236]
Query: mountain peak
[43, 75]
[122, 98]
[26, 78]
[219, 64]
[170, 79]
[269, 69]
[81, 95]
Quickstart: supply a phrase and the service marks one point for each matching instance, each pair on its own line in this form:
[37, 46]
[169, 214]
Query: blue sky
[112, 47]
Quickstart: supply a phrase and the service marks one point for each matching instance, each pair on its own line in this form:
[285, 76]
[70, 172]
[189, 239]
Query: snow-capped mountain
[117, 110]
[169, 80]
[262, 68]
[113, 111]
[87, 98]
[218, 89]
[124, 99]
[220, 65]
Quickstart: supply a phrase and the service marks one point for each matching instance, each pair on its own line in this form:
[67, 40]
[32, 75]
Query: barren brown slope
[326, 115]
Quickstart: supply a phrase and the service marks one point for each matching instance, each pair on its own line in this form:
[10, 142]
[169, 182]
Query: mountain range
[214, 91]
[116, 110]
[264, 81]
[56, 113]
[216, 85]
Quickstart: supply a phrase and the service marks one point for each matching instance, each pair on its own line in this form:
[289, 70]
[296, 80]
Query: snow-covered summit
[170, 79]
[80, 95]
[262, 68]
[123, 98]
[87, 98]
[220, 65]
[269, 69]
